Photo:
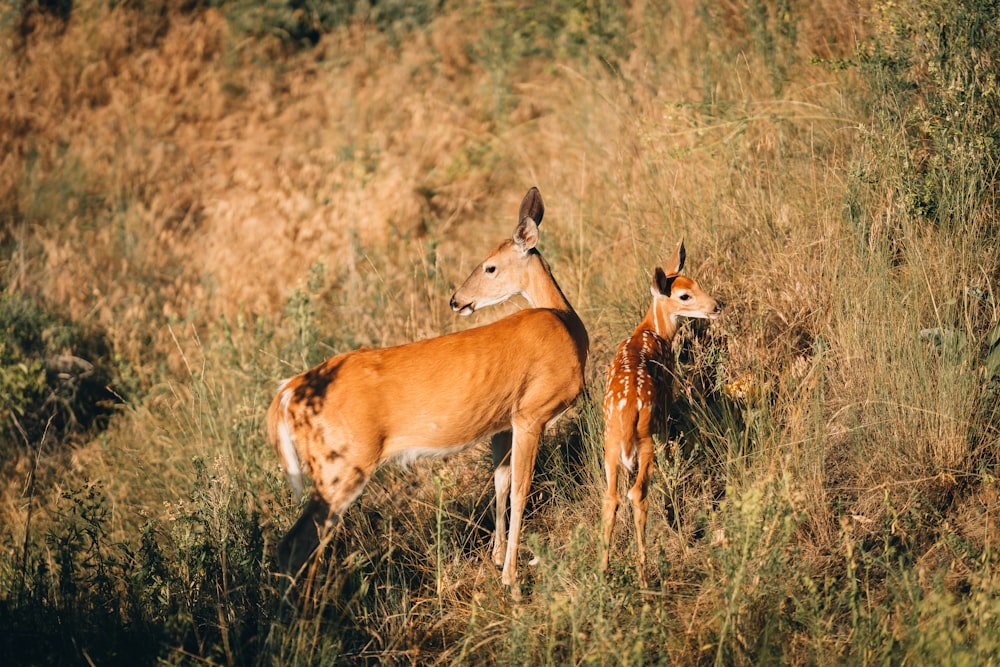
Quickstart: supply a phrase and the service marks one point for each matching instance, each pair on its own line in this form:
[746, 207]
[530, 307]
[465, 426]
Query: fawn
[639, 394]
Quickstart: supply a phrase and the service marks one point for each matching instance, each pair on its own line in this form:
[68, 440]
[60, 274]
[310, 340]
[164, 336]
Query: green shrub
[566, 28]
[301, 23]
[933, 88]
[54, 375]
[197, 576]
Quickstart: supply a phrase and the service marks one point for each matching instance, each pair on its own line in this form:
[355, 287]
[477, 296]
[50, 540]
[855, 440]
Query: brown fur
[436, 396]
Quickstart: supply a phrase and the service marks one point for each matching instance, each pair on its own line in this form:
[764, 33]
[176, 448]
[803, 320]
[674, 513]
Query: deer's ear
[662, 283]
[676, 263]
[526, 235]
[532, 206]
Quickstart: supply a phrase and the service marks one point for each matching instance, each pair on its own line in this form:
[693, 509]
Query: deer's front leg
[500, 446]
[524, 450]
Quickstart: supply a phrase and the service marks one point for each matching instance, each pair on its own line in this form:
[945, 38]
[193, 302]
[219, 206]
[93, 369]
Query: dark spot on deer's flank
[312, 389]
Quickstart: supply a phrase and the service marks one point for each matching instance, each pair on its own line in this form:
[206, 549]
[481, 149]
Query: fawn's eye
[685, 297]
[490, 269]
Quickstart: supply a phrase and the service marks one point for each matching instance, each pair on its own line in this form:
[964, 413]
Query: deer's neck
[542, 290]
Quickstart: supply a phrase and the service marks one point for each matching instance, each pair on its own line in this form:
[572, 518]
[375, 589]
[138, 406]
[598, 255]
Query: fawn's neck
[659, 320]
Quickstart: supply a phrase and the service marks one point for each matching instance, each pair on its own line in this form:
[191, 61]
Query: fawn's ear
[676, 263]
[662, 283]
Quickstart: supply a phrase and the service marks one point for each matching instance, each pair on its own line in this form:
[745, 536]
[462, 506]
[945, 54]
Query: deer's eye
[685, 297]
[490, 269]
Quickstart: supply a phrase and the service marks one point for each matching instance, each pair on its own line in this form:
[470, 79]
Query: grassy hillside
[198, 199]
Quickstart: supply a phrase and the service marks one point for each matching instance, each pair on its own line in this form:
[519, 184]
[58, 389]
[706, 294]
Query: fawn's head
[679, 295]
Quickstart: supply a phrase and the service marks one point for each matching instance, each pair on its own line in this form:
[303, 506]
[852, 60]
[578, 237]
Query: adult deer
[437, 396]
[639, 393]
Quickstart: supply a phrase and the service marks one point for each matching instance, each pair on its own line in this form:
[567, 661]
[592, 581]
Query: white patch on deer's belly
[404, 458]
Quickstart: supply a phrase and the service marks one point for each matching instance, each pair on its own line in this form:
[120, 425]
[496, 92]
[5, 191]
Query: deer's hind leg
[639, 493]
[338, 480]
[299, 544]
[612, 455]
